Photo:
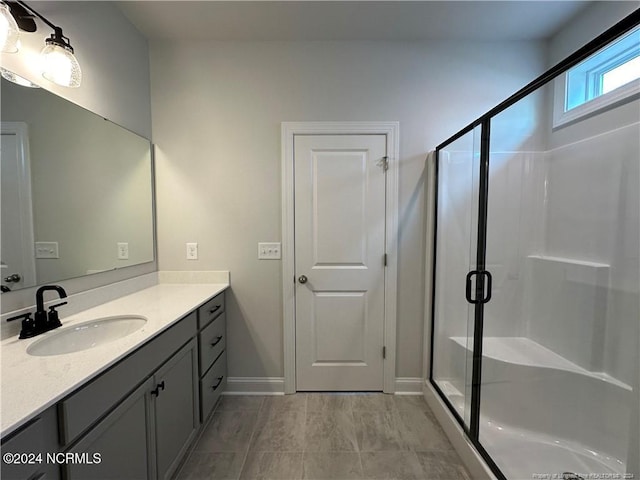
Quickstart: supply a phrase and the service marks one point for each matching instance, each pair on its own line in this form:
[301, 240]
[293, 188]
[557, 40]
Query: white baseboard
[408, 386]
[255, 386]
[275, 386]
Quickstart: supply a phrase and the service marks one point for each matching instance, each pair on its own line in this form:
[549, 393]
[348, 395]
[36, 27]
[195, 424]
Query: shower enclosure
[536, 313]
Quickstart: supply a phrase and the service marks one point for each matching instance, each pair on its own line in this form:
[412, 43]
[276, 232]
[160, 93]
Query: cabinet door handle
[214, 309]
[156, 391]
[217, 341]
[219, 382]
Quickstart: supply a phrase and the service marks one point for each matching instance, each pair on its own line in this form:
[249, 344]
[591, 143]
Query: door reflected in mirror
[76, 191]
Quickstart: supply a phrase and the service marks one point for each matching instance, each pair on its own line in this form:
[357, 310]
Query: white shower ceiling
[350, 20]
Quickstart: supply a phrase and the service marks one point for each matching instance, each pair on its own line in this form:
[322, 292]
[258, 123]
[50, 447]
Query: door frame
[21, 131]
[288, 131]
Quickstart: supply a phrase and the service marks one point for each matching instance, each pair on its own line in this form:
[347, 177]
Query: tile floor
[323, 436]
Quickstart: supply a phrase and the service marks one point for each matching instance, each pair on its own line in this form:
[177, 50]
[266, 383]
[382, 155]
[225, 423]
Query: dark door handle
[159, 387]
[13, 278]
[302, 279]
[217, 341]
[219, 382]
[468, 289]
[487, 288]
[214, 309]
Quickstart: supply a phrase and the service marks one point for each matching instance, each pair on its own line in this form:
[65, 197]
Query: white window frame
[600, 103]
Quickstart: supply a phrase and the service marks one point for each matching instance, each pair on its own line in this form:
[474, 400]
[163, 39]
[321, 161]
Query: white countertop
[31, 384]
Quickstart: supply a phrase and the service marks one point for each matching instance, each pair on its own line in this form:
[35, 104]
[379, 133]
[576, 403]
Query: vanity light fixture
[59, 64]
[9, 31]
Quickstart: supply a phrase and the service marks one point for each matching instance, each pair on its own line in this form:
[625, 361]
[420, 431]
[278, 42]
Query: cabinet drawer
[87, 405]
[210, 310]
[212, 341]
[212, 385]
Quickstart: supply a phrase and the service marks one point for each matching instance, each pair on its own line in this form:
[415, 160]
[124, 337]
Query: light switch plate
[192, 251]
[123, 251]
[47, 250]
[269, 251]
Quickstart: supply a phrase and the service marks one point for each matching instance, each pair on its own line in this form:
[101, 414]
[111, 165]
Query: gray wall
[217, 109]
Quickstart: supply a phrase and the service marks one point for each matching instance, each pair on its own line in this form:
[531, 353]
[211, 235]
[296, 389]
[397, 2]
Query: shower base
[525, 454]
[541, 414]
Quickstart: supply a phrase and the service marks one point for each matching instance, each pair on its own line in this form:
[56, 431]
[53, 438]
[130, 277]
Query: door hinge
[384, 163]
[384, 352]
[384, 259]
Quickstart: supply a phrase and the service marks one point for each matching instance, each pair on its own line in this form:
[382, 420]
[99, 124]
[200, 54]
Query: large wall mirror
[76, 191]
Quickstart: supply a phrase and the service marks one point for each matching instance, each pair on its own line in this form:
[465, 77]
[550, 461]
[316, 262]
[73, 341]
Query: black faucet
[43, 321]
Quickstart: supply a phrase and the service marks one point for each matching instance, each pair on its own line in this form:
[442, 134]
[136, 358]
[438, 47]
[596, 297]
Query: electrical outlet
[192, 251]
[269, 251]
[123, 251]
[47, 250]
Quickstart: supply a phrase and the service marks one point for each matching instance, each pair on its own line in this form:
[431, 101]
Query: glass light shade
[9, 32]
[60, 66]
[17, 79]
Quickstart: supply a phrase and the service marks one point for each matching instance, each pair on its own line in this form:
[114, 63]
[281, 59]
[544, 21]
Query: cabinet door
[175, 408]
[118, 447]
[34, 442]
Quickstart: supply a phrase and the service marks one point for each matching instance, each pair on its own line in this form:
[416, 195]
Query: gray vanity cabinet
[30, 446]
[147, 434]
[137, 419]
[121, 440]
[212, 339]
[175, 409]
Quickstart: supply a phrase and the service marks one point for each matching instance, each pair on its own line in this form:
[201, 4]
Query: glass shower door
[458, 166]
[559, 339]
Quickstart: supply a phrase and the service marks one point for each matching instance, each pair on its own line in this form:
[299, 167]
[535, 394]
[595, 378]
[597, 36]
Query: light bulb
[9, 32]
[60, 65]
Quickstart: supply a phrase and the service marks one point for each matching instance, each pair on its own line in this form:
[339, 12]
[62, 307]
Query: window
[606, 77]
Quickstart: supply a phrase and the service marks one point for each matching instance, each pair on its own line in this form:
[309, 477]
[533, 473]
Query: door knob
[13, 278]
[302, 279]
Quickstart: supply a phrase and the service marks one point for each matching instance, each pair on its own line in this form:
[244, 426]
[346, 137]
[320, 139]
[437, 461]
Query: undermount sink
[85, 335]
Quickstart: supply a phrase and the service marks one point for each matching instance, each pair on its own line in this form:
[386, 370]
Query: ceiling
[350, 20]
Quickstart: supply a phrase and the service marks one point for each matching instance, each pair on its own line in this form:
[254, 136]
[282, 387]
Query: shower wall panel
[593, 218]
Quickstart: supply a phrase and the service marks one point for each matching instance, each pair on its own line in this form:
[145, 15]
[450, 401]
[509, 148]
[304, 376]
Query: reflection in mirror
[76, 191]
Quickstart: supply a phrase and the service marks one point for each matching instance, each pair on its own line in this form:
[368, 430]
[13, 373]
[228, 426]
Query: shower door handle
[485, 296]
[468, 290]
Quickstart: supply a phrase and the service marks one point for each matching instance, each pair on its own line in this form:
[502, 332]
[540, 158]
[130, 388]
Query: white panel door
[17, 255]
[339, 261]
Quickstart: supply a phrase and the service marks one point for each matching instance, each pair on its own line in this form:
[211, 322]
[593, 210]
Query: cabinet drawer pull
[214, 309]
[219, 382]
[216, 341]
